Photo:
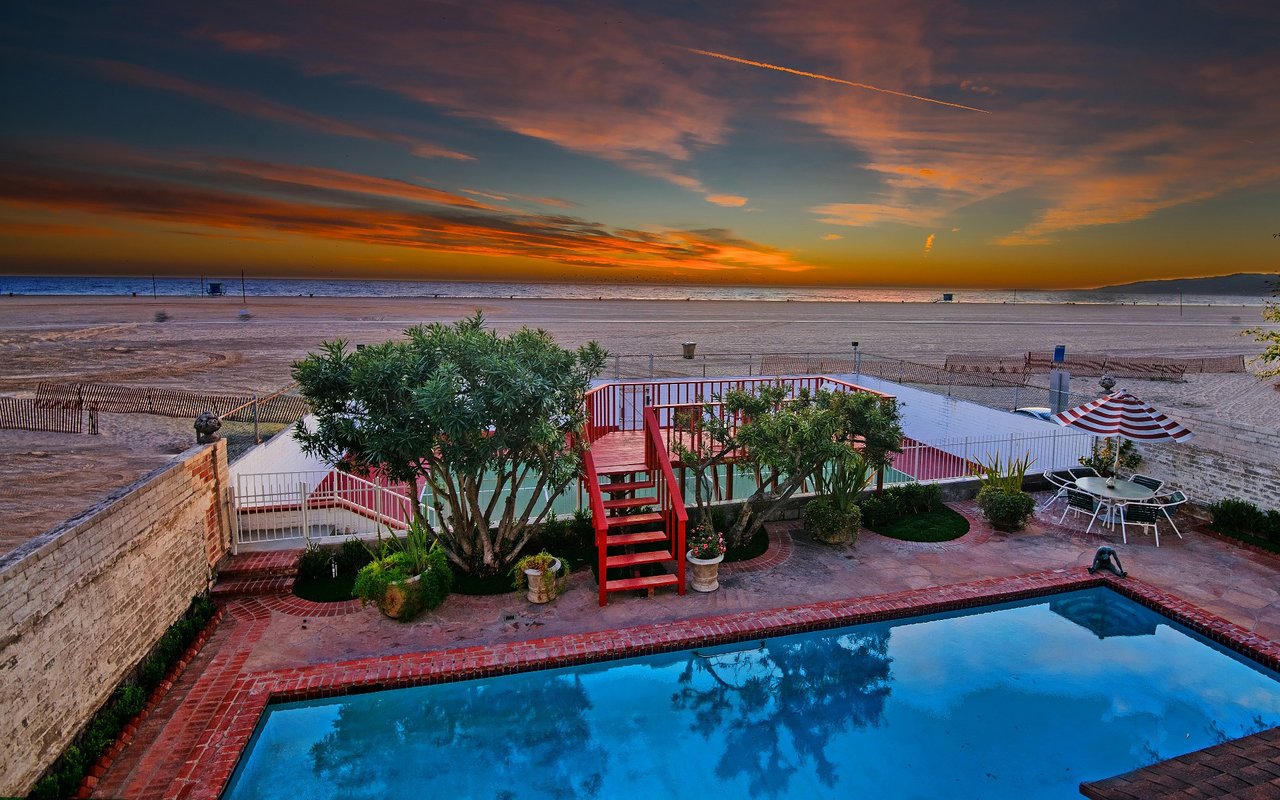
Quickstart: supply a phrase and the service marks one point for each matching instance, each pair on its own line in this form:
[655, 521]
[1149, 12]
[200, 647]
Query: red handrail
[596, 498]
[675, 516]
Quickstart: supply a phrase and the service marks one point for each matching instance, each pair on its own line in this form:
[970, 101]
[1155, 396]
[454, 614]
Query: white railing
[292, 508]
[957, 458]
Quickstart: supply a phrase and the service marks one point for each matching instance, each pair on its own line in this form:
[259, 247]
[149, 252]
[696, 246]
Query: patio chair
[1144, 515]
[1172, 500]
[1080, 502]
[1060, 484]
[1144, 480]
[1077, 473]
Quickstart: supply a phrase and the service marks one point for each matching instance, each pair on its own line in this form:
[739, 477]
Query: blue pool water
[1020, 700]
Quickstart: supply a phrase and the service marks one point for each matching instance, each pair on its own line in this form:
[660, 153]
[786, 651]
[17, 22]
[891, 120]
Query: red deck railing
[591, 483]
[619, 406]
[670, 497]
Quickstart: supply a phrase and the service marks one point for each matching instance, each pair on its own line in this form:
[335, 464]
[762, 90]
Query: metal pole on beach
[153, 286]
[242, 300]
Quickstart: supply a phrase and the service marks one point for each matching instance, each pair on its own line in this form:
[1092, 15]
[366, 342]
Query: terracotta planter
[396, 598]
[540, 590]
[705, 572]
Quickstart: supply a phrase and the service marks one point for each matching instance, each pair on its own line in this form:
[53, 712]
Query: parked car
[1039, 412]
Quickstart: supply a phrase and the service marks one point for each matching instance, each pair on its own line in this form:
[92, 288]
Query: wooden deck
[619, 451]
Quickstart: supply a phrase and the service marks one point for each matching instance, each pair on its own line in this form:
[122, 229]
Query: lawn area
[929, 526]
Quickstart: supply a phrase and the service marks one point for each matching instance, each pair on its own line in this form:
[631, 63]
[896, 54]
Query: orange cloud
[727, 200]
[211, 200]
[928, 244]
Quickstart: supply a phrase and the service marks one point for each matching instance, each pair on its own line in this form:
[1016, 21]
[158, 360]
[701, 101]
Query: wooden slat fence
[25, 413]
[117, 399]
[1094, 365]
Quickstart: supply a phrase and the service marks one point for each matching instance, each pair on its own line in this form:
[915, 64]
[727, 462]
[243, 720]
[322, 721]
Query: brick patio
[284, 647]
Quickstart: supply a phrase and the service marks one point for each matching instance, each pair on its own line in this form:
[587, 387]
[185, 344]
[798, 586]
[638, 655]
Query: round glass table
[1123, 491]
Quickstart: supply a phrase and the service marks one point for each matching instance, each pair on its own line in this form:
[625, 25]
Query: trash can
[689, 347]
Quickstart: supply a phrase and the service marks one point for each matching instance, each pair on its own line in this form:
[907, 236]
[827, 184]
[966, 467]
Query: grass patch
[473, 585]
[324, 590]
[1256, 541]
[755, 548]
[930, 526]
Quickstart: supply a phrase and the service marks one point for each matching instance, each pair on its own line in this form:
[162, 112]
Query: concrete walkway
[1240, 585]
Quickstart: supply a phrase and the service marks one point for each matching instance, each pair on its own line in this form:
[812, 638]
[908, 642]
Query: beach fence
[120, 399]
[54, 416]
[247, 420]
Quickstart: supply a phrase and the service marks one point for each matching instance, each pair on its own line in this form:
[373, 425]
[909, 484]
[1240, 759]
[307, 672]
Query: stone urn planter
[542, 575]
[706, 572]
[399, 598]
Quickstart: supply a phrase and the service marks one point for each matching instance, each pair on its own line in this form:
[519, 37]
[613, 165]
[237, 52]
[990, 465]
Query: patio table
[1122, 492]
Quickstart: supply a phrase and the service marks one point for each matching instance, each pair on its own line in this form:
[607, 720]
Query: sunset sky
[1005, 144]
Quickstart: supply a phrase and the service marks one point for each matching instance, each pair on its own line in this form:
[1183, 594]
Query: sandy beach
[205, 345]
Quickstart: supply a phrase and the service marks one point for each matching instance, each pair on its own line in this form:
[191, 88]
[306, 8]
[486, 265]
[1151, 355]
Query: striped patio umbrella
[1121, 414]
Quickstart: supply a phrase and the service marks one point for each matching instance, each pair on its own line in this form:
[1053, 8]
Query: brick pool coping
[207, 769]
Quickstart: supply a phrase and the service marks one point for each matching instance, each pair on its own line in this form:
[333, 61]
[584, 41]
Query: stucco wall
[81, 604]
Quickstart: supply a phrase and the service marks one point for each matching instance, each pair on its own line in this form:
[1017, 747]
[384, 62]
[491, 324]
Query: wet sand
[205, 345]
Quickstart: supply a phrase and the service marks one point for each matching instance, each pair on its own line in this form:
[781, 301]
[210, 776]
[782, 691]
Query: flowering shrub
[704, 542]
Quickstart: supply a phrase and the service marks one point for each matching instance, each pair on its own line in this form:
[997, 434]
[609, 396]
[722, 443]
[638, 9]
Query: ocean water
[1022, 700]
[294, 287]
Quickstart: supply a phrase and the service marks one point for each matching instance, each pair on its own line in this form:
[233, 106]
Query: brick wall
[1221, 461]
[81, 604]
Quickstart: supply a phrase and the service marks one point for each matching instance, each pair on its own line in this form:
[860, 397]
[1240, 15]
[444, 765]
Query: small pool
[1018, 700]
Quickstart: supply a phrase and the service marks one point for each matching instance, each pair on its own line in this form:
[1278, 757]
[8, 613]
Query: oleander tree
[1269, 360]
[488, 423]
[786, 441]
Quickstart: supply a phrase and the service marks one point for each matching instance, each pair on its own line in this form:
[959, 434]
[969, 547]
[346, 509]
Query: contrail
[854, 84]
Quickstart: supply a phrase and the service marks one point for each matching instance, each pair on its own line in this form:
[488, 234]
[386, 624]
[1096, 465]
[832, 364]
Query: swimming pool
[1021, 699]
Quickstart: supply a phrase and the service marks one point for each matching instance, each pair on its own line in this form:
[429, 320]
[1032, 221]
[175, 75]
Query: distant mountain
[1243, 283]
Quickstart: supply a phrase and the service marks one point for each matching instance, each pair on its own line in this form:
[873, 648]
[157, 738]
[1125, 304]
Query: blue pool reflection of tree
[529, 736]
[776, 705]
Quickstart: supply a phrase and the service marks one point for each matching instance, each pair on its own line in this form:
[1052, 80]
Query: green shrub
[315, 563]
[433, 585]
[374, 578]
[1005, 510]
[352, 555]
[437, 581]
[63, 779]
[1240, 517]
[828, 522]
[1103, 458]
[1236, 516]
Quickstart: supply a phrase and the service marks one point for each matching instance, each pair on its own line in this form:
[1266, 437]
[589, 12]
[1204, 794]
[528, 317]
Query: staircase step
[252, 587]
[630, 502]
[633, 519]
[625, 486]
[647, 582]
[639, 537]
[270, 564]
[634, 559]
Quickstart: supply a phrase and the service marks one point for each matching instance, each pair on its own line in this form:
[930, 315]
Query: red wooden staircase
[638, 512]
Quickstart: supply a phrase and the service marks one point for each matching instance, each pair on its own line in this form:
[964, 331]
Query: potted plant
[1103, 459]
[836, 517]
[406, 575]
[542, 575]
[1001, 498]
[706, 551]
